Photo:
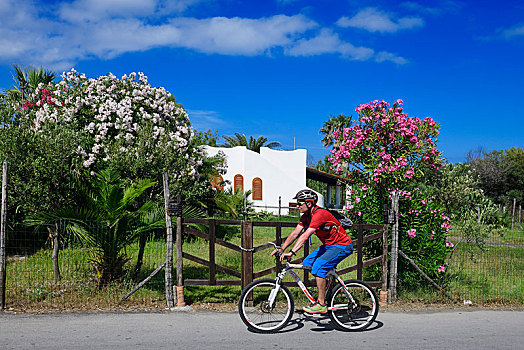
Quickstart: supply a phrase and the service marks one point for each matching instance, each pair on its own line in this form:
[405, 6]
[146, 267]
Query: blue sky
[280, 68]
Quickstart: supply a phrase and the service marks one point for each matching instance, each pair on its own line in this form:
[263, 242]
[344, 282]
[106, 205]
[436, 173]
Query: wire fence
[32, 282]
[489, 274]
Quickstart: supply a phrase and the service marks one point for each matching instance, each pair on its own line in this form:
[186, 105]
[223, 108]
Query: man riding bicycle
[336, 244]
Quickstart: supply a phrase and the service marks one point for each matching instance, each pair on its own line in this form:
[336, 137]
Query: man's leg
[321, 287]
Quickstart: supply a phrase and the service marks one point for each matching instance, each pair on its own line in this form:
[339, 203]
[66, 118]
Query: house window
[217, 181]
[257, 189]
[238, 183]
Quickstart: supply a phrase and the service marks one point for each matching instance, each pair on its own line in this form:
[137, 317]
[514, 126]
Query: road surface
[444, 329]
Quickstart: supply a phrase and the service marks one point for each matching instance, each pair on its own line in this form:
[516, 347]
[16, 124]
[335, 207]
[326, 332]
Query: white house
[273, 176]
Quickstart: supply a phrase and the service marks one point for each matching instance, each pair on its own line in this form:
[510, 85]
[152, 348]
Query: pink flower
[412, 233]
[441, 269]
[449, 245]
[357, 200]
[410, 173]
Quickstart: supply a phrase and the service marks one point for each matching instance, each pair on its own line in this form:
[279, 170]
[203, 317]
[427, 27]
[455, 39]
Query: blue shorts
[325, 258]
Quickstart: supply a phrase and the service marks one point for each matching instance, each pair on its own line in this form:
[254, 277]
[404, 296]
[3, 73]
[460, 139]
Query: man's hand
[275, 251]
[287, 255]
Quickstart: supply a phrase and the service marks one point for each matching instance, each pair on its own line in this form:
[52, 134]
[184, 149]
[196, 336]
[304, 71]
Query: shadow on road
[323, 324]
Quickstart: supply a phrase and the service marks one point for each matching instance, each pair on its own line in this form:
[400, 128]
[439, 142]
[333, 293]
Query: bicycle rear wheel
[255, 310]
[353, 317]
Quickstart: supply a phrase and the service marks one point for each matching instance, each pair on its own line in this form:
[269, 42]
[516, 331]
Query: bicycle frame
[288, 269]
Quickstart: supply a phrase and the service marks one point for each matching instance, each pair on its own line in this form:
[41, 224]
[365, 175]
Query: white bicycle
[266, 305]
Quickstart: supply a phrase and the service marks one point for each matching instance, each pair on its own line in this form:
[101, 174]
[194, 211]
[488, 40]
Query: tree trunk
[56, 249]
[140, 259]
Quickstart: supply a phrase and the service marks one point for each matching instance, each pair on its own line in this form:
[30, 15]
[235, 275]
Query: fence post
[360, 243]
[212, 241]
[394, 249]
[520, 215]
[169, 249]
[247, 253]
[3, 255]
[513, 213]
[179, 255]
[384, 260]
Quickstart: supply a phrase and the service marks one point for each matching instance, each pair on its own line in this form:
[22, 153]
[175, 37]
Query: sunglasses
[301, 203]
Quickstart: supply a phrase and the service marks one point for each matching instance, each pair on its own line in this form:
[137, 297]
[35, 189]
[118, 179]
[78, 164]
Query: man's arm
[291, 238]
[300, 242]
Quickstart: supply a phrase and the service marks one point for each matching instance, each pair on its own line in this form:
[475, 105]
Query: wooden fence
[246, 275]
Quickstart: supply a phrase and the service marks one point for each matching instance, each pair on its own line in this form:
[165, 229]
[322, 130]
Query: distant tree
[253, 144]
[338, 123]
[208, 137]
[501, 172]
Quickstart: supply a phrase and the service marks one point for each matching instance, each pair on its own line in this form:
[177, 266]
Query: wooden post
[212, 241]
[3, 253]
[513, 213]
[360, 243]
[279, 207]
[520, 214]
[170, 299]
[385, 258]
[278, 233]
[394, 249]
[247, 253]
[179, 256]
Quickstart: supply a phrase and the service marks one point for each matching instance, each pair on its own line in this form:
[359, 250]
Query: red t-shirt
[320, 217]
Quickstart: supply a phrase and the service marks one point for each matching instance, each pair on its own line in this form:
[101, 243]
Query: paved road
[463, 329]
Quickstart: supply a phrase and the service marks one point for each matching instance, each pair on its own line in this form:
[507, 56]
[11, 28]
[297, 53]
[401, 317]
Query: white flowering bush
[124, 124]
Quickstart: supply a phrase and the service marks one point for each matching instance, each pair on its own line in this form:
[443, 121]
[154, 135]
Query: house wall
[283, 173]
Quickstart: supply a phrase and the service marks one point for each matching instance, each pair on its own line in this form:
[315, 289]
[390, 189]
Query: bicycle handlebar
[278, 254]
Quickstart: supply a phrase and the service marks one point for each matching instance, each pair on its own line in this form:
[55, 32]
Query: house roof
[322, 176]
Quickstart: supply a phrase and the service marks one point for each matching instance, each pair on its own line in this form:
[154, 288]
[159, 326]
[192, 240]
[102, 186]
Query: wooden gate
[246, 274]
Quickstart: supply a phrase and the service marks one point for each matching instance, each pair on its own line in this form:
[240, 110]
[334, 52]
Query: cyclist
[336, 244]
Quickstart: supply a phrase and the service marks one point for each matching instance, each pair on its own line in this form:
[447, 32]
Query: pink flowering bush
[423, 229]
[386, 147]
[385, 150]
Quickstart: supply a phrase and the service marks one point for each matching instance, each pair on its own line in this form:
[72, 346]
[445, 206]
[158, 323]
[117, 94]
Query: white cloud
[513, 32]
[384, 56]
[97, 10]
[441, 8]
[84, 29]
[374, 20]
[233, 36]
[204, 120]
[328, 42]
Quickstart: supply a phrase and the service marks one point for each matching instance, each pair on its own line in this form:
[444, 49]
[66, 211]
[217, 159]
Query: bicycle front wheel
[353, 315]
[261, 314]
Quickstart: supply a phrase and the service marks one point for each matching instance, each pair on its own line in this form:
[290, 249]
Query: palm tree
[107, 220]
[26, 82]
[253, 144]
[337, 123]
